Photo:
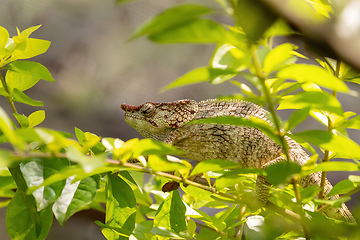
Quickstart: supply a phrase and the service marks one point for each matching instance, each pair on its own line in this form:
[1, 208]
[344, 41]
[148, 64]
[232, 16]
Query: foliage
[55, 175]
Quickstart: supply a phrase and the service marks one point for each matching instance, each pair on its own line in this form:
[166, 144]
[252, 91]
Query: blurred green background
[96, 69]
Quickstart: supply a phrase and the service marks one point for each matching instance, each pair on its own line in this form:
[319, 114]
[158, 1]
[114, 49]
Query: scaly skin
[167, 122]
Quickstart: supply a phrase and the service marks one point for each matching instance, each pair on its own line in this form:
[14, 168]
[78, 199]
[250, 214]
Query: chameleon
[168, 122]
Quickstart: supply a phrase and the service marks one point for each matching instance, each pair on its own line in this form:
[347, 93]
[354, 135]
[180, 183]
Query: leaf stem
[8, 98]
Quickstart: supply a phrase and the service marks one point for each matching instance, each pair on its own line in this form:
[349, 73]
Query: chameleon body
[167, 122]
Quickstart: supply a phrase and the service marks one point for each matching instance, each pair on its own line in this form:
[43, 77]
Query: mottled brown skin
[167, 122]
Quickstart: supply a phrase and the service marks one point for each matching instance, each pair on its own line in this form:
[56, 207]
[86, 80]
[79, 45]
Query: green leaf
[309, 193]
[20, 224]
[144, 147]
[296, 118]
[197, 75]
[314, 100]
[195, 31]
[334, 202]
[314, 74]
[36, 171]
[282, 172]
[75, 196]
[120, 207]
[171, 214]
[7, 129]
[80, 135]
[342, 187]
[4, 36]
[354, 178]
[335, 166]
[344, 146]
[89, 164]
[170, 18]
[25, 74]
[29, 48]
[213, 165]
[22, 120]
[238, 121]
[254, 18]
[277, 56]
[235, 176]
[36, 118]
[21, 97]
[161, 163]
[226, 56]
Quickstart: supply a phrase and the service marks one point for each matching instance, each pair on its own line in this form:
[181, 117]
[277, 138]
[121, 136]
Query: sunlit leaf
[213, 165]
[342, 187]
[195, 31]
[19, 96]
[74, 196]
[277, 56]
[235, 176]
[314, 100]
[36, 118]
[161, 163]
[4, 36]
[25, 74]
[7, 129]
[22, 120]
[197, 75]
[171, 214]
[120, 207]
[170, 18]
[311, 73]
[238, 121]
[344, 146]
[29, 48]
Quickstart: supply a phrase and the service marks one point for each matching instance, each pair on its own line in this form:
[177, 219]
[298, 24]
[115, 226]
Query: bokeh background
[96, 69]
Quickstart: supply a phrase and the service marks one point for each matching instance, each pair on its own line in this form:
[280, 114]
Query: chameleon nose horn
[128, 108]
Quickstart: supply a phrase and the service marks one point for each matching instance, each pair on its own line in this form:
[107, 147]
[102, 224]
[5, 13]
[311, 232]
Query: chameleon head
[157, 120]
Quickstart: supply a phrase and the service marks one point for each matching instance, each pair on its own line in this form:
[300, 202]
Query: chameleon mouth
[139, 118]
[129, 108]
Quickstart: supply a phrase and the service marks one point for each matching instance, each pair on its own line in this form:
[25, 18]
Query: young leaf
[25, 74]
[170, 18]
[281, 172]
[197, 75]
[4, 36]
[195, 31]
[314, 100]
[36, 118]
[22, 120]
[339, 144]
[75, 196]
[311, 73]
[235, 176]
[21, 97]
[213, 165]
[296, 118]
[238, 121]
[342, 187]
[29, 48]
[161, 163]
[120, 207]
[7, 129]
[171, 214]
[277, 56]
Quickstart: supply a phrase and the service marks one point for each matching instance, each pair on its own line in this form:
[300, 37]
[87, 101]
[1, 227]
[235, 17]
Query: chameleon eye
[147, 109]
